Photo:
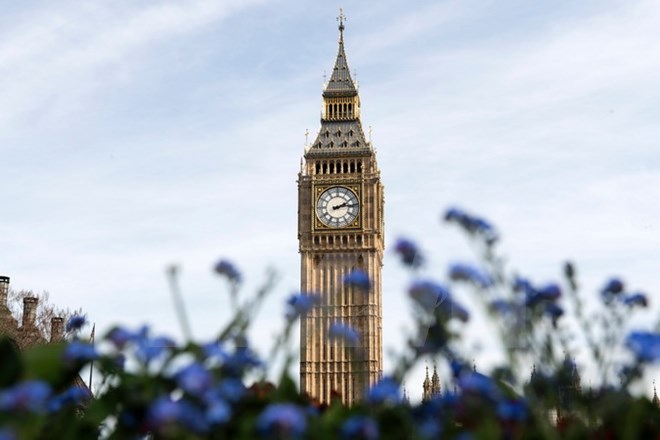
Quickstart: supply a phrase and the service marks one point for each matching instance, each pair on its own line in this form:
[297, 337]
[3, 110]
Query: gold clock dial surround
[337, 207]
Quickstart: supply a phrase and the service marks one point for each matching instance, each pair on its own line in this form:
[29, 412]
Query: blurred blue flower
[75, 323]
[241, 360]
[479, 384]
[194, 379]
[164, 412]
[29, 396]
[428, 294]
[8, 434]
[231, 389]
[359, 428]
[612, 288]
[636, 300]
[408, 252]
[644, 345]
[120, 361]
[214, 350]
[523, 285]
[451, 309]
[300, 304]
[218, 412]
[357, 278]
[458, 368]
[472, 224]
[227, 269]
[512, 410]
[387, 390]
[429, 428]
[149, 349]
[79, 352]
[120, 336]
[467, 272]
[554, 311]
[343, 332]
[74, 395]
[548, 293]
[614, 285]
[283, 420]
[501, 306]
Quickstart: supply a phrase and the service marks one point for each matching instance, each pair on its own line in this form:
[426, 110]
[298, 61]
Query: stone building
[26, 332]
[340, 230]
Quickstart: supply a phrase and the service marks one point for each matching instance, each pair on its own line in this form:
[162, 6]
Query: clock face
[337, 207]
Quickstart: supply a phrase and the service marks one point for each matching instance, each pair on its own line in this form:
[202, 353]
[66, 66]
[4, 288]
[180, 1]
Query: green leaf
[46, 362]
[11, 366]
[287, 389]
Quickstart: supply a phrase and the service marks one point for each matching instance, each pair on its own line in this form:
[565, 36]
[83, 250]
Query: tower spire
[435, 382]
[426, 386]
[341, 82]
[341, 19]
[341, 130]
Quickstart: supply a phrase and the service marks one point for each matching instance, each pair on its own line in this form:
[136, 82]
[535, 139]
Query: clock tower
[340, 230]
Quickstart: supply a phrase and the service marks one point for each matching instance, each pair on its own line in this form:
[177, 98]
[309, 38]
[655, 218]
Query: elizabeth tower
[340, 231]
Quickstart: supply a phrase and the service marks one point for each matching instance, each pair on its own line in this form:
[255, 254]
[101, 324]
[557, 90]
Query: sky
[137, 135]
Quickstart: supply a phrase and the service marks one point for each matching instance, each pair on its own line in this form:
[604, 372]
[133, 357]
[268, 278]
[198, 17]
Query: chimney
[4, 291]
[56, 329]
[29, 311]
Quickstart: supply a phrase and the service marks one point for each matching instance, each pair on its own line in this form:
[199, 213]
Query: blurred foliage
[152, 387]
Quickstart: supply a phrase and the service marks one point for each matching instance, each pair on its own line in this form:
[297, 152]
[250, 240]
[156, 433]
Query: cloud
[55, 59]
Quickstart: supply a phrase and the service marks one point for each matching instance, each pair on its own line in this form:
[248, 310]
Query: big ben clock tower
[340, 229]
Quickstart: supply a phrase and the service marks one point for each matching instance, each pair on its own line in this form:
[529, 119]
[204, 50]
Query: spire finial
[341, 20]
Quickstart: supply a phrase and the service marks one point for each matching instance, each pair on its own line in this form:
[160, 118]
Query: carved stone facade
[340, 229]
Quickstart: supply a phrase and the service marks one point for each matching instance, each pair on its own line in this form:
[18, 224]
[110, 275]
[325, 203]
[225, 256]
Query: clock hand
[345, 204]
